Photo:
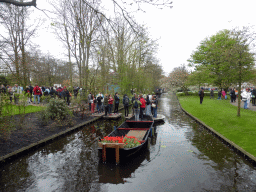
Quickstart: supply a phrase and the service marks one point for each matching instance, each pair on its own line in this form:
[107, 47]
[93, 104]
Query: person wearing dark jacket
[154, 105]
[75, 91]
[116, 103]
[105, 103]
[99, 103]
[52, 92]
[232, 95]
[201, 95]
[253, 96]
[66, 95]
[31, 92]
[212, 94]
[136, 104]
[126, 105]
[219, 95]
[133, 98]
[27, 91]
[89, 99]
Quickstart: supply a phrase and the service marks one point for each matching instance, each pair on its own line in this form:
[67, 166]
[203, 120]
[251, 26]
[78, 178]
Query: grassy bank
[222, 117]
[16, 110]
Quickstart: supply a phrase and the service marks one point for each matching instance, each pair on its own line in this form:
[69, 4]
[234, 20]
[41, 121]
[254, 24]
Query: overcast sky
[179, 29]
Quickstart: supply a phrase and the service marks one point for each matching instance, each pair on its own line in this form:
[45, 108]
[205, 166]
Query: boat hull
[123, 130]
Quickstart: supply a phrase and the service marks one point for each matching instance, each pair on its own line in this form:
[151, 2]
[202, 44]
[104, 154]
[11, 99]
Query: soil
[31, 131]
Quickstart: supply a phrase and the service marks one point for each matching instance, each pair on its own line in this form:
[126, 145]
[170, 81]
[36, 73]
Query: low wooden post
[117, 154]
[104, 155]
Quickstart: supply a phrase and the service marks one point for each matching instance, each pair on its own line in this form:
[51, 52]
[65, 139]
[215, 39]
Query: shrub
[57, 110]
[43, 117]
[6, 122]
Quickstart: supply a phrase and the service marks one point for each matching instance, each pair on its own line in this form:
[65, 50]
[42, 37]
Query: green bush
[43, 117]
[57, 110]
[6, 122]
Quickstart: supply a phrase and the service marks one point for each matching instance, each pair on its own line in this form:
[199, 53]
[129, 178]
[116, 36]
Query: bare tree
[20, 3]
[76, 24]
[15, 38]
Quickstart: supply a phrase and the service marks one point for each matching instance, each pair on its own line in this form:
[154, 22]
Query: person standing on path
[248, 97]
[67, 96]
[116, 103]
[133, 98]
[211, 94]
[142, 106]
[10, 91]
[201, 95]
[126, 105]
[219, 95]
[224, 94]
[136, 104]
[105, 103]
[253, 96]
[110, 104]
[37, 91]
[93, 103]
[245, 98]
[232, 95]
[89, 101]
[154, 105]
[99, 103]
[148, 107]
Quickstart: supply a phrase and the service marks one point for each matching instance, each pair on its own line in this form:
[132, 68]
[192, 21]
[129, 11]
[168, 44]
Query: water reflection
[221, 158]
[182, 157]
[111, 173]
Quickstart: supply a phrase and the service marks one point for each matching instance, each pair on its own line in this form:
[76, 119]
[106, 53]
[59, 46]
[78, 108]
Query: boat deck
[113, 116]
[159, 118]
[98, 114]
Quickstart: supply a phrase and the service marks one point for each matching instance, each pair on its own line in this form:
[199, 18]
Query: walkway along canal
[183, 156]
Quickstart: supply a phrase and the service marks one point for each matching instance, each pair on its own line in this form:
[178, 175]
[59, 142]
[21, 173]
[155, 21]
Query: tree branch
[20, 4]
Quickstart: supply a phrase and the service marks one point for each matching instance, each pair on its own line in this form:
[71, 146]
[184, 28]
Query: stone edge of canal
[247, 156]
[11, 156]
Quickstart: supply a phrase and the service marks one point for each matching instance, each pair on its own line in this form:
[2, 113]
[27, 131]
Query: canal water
[183, 156]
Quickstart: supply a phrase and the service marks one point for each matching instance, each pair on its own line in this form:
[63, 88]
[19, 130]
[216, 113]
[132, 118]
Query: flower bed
[129, 141]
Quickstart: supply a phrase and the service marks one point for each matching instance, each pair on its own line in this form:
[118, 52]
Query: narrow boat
[139, 129]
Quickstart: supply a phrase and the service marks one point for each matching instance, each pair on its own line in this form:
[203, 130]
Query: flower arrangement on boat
[129, 141]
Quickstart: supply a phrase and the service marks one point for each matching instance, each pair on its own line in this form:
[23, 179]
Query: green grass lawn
[14, 109]
[222, 117]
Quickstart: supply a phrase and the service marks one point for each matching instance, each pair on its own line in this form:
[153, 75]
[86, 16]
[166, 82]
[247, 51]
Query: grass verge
[222, 117]
[15, 110]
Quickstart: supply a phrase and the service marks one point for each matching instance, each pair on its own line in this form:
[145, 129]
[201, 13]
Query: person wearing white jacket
[245, 97]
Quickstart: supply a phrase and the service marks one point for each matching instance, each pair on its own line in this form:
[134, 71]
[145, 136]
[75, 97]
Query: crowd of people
[36, 92]
[248, 95]
[142, 104]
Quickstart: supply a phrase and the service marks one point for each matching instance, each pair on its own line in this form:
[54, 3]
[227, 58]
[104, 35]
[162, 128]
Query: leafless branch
[19, 3]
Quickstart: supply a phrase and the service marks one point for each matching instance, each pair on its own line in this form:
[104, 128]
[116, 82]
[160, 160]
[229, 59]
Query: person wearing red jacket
[110, 104]
[142, 107]
[37, 91]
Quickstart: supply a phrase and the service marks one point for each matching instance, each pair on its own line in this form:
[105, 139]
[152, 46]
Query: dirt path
[253, 108]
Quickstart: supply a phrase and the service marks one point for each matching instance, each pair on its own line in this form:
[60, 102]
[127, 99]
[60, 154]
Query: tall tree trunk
[239, 91]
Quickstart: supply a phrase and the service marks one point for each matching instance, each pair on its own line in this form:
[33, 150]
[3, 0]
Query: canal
[183, 156]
